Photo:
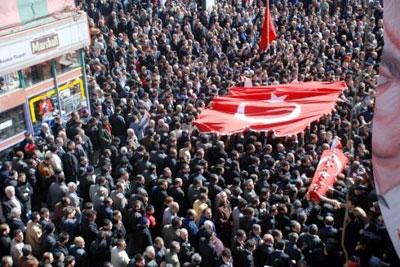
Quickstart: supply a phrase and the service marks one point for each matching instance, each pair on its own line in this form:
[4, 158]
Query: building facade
[42, 73]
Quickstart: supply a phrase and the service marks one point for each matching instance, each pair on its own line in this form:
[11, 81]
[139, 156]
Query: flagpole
[269, 14]
[350, 137]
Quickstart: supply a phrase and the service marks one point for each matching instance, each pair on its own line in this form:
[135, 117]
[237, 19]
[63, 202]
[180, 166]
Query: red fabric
[268, 33]
[331, 164]
[30, 148]
[286, 109]
[151, 219]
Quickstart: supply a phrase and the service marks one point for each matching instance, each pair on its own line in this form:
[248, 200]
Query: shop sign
[40, 44]
[45, 43]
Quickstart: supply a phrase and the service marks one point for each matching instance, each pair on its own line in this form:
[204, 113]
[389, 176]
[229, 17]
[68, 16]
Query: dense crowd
[132, 183]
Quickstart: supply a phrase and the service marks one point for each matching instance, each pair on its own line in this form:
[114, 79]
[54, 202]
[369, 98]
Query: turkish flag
[268, 33]
[286, 109]
[331, 164]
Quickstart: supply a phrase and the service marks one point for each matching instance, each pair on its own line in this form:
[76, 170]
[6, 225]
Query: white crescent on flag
[241, 114]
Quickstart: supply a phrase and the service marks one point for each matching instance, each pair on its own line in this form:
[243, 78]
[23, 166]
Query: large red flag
[331, 164]
[286, 109]
[268, 33]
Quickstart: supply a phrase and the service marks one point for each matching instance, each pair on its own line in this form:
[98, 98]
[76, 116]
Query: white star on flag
[276, 99]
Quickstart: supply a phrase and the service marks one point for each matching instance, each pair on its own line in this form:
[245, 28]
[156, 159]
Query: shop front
[41, 76]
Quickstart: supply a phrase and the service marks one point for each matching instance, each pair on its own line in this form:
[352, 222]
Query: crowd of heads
[132, 183]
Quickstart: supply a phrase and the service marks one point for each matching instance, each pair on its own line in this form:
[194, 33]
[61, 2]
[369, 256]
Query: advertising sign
[43, 43]
[44, 106]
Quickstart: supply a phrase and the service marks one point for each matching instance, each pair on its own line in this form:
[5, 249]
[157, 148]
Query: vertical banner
[386, 125]
[331, 164]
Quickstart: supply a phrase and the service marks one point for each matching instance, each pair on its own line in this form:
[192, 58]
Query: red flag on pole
[331, 164]
[268, 33]
[285, 109]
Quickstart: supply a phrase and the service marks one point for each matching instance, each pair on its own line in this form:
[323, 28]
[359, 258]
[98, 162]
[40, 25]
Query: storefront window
[9, 82]
[72, 96]
[12, 122]
[45, 106]
[37, 73]
[67, 62]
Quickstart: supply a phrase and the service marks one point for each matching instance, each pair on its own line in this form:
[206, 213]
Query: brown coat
[28, 261]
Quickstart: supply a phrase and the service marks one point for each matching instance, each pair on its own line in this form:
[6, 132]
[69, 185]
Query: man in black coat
[100, 249]
[328, 231]
[263, 251]
[187, 250]
[89, 229]
[292, 249]
[61, 245]
[5, 240]
[157, 198]
[279, 257]
[143, 237]
[246, 256]
[118, 124]
[207, 251]
[48, 237]
[70, 164]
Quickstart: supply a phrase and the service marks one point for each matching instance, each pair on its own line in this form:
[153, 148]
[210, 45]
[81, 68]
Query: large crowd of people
[132, 183]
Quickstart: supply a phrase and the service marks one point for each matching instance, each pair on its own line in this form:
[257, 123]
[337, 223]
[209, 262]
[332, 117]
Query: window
[12, 122]
[67, 62]
[37, 73]
[9, 82]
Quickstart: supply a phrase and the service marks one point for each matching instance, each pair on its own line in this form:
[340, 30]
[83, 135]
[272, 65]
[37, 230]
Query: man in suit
[143, 237]
[246, 257]
[207, 250]
[328, 231]
[118, 124]
[292, 249]
[71, 163]
[263, 251]
[279, 257]
[89, 229]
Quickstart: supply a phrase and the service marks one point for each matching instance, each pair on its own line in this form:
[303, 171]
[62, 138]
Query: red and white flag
[268, 33]
[285, 109]
[331, 164]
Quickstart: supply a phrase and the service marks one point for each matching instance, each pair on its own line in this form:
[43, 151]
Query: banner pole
[269, 17]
